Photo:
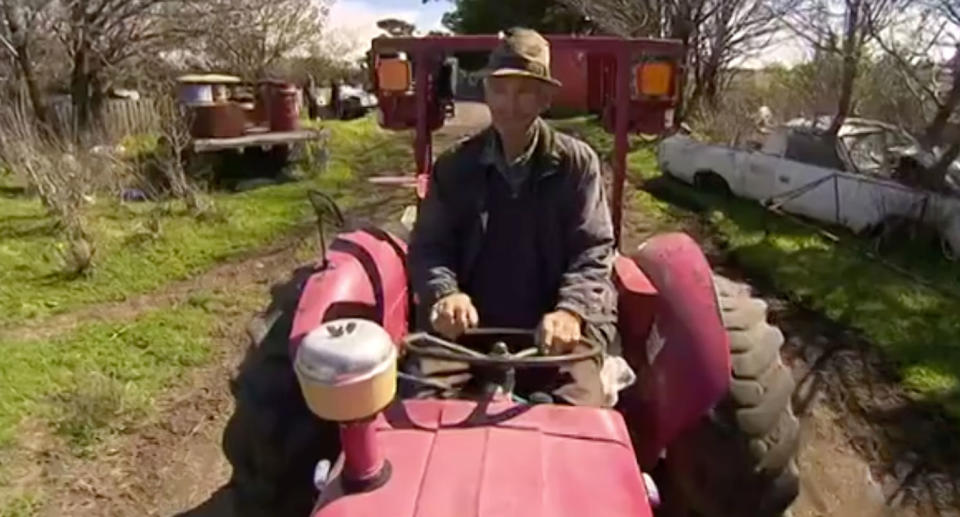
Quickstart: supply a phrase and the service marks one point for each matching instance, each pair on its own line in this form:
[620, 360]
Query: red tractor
[706, 428]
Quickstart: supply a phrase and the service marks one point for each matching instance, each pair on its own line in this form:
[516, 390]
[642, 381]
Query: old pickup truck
[858, 184]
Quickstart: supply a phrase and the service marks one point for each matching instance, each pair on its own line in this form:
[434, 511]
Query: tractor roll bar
[430, 49]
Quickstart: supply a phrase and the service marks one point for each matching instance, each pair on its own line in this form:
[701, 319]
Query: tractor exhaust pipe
[364, 466]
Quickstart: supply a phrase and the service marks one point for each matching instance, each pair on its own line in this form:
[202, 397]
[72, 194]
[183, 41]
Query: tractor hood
[457, 458]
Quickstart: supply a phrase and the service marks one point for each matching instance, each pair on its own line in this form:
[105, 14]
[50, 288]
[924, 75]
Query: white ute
[852, 186]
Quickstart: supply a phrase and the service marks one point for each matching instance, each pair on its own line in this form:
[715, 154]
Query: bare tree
[173, 125]
[715, 32]
[950, 10]
[946, 106]
[906, 78]
[905, 68]
[842, 30]
[19, 21]
[948, 101]
[58, 177]
[247, 37]
[732, 30]
[101, 36]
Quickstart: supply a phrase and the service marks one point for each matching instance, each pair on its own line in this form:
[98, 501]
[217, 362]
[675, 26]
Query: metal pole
[361, 450]
[422, 143]
[836, 197]
[621, 127]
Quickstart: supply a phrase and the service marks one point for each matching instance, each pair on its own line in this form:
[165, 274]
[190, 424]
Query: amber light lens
[393, 75]
[654, 79]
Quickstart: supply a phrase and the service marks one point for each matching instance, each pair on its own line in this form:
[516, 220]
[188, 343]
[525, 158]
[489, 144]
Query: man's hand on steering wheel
[559, 332]
[453, 314]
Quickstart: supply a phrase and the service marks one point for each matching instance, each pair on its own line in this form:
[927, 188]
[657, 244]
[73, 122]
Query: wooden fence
[120, 117]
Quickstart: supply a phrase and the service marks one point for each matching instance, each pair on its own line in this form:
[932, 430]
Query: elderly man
[515, 230]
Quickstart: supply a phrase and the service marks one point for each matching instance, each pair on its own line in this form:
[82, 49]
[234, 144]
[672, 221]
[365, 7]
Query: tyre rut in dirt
[741, 459]
[272, 440]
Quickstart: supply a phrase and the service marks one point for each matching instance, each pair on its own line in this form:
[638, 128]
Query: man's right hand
[453, 314]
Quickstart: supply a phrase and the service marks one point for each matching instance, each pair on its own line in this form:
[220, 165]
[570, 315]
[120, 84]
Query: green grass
[916, 327]
[95, 380]
[26, 505]
[81, 382]
[141, 247]
[102, 378]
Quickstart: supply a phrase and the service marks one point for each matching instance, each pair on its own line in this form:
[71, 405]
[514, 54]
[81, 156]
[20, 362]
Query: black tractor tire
[272, 440]
[741, 459]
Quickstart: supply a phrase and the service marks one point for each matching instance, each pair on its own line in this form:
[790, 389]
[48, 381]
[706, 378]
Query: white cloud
[786, 51]
[353, 23]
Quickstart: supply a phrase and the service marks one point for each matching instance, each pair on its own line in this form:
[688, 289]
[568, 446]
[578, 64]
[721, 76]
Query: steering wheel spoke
[428, 345]
[443, 343]
[527, 352]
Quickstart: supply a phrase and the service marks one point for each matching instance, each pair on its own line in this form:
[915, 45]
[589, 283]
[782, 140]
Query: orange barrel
[284, 108]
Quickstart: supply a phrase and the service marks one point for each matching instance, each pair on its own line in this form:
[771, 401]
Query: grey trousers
[578, 384]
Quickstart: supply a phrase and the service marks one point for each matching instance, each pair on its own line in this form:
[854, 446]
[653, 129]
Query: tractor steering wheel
[428, 345]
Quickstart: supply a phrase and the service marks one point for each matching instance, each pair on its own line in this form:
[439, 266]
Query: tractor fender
[364, 277]
[672, 334]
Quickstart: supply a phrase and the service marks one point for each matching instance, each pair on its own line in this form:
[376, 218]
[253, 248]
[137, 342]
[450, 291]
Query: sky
[353, 23]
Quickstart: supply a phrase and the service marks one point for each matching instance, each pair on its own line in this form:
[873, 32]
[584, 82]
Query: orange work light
[653, 79]
[394, 75]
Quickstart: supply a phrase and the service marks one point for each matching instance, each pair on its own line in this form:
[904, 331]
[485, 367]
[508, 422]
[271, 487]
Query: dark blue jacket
[574, 229]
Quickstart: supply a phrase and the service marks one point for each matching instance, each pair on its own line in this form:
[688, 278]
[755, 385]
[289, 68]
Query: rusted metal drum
[217, 120]
[262, 103]
[201, 88]
[284, 107]
[249, 112]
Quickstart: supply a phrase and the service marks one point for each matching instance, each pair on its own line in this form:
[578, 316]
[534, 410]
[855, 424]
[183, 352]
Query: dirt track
[853, 462]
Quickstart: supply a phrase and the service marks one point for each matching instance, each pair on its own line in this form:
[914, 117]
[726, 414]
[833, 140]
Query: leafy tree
[492, 16]
[396, 28]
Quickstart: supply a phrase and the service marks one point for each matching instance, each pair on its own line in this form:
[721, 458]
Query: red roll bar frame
[430, 49]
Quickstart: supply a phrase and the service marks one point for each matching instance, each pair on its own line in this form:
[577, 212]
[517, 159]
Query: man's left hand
[559, 332]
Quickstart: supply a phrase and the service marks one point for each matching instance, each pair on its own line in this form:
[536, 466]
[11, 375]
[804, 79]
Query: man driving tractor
[515, 230]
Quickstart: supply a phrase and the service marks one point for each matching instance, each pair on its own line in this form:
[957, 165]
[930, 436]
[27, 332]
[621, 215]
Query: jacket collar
[545, 159]
[547, 154]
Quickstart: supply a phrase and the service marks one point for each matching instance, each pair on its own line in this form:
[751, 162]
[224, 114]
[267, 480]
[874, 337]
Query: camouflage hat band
[519, 63]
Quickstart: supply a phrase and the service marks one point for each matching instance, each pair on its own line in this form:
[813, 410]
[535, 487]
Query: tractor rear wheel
[272, 440]
[741, 459]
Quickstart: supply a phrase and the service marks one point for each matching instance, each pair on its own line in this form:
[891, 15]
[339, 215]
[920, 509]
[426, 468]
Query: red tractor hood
[455, 458]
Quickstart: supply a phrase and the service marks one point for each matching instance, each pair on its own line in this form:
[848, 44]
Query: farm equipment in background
[252, 128]
[707, 428]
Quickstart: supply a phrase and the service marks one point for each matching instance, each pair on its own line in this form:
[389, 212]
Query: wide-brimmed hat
[521, 53]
